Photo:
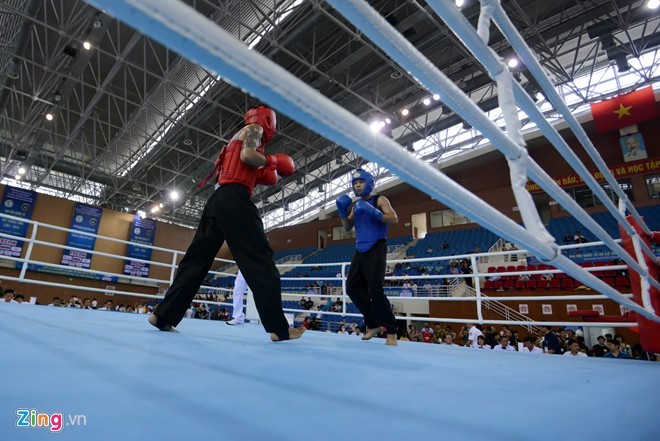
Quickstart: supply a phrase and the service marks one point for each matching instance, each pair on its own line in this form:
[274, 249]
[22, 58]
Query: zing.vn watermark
[54, 422]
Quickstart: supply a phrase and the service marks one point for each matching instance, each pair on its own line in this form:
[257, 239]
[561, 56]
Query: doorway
[418, 221]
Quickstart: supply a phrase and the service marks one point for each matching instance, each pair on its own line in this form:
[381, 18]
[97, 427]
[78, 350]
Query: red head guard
[266, 118]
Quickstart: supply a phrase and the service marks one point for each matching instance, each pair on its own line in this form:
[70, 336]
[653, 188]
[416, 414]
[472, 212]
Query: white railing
[36, 227]
[290, 258]
[500, 308]
[438, 292]
[392, 249]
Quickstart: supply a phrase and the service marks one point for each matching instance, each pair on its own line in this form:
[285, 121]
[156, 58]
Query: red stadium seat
[622, 281]
[554, 285]
[531, 284]
[567, 283]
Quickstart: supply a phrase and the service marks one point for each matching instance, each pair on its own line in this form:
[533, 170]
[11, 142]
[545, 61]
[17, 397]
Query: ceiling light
[142, 214]
[87, 45]
[653, 4]
[405, 112]
[155, 209]
[161, 205]
[460, 3]
[388, 121]
[50, 116]
[512, 63]
[436, 97]
[427, 101]
[21, 170]
[18, 177]
[374, 126]
[174, 195]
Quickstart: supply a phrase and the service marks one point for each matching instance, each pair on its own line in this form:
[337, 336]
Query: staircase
[400, 252]
[504, 311]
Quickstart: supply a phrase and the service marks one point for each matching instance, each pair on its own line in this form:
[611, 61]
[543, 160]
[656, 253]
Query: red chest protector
[228, 168]
[235, 171]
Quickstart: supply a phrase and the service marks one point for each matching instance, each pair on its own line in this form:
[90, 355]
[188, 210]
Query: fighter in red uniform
[230, 215]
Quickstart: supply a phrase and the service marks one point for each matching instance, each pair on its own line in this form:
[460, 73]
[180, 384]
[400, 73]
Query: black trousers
[364, 285]
[229, 215]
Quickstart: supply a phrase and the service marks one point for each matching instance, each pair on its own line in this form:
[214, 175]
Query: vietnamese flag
[625, 110]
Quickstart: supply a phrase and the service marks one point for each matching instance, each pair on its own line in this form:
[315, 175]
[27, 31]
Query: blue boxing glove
[342, 205]
[365, 208]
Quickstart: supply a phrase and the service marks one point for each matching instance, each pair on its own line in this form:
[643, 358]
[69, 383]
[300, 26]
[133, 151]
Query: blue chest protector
[369, 230]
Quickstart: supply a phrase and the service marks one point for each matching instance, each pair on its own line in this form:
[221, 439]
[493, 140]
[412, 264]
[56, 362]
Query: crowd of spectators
[565, 342]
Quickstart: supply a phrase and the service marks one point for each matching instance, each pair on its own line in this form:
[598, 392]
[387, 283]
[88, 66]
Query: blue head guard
[368, 182]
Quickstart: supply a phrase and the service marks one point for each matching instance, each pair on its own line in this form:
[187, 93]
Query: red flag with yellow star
[625, 110]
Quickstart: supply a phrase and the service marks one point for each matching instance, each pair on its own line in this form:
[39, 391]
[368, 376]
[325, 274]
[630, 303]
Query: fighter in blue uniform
[364, 285]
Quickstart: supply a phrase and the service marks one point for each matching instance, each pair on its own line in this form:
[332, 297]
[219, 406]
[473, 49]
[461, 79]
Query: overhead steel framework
[132, 121]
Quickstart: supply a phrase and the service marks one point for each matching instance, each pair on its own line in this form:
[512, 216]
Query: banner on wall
[618, 171]
[20, 203]
[143, 232]
[625, 110]
[87, 219]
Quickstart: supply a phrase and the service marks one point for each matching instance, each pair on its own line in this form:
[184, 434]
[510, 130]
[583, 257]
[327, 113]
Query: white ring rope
[188, 32]
[518, 43]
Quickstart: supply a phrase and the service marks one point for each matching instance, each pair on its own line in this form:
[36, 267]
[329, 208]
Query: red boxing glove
[281, 162]
[266, 176]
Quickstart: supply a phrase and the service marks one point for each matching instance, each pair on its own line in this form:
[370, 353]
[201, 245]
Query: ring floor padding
[218, 382]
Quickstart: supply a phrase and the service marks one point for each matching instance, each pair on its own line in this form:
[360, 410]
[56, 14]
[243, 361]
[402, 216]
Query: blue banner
[20, 203]
[588, 254]
[85, 218]
[143, 232]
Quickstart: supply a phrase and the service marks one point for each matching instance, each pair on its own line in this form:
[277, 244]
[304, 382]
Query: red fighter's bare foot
[391, 340]
[294, 333]
[153, 320]
[371, 333]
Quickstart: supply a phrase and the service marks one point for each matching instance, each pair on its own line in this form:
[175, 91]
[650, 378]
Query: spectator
[413, 333]
[490, 336]
[504, 345]
[530, 347]
[481, 343]
[342, 330]
[579, 238]
[568, 238]
[448, 340]
[56, 302]
[547, 276]
[600, 348]
[438, 333]
[574, 349]
[445, 245]
[429, 250]
[623, 346]
[427, 335]
[473, 335]
[9, 296]
[551, 341]
[614, 347]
